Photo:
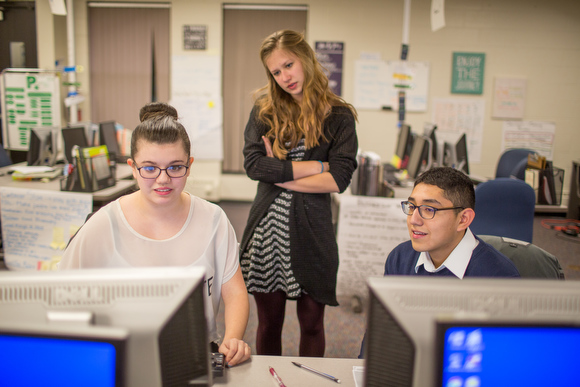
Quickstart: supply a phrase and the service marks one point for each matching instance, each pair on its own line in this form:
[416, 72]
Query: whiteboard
[368, 229]
[37, 225]
[378, 83]
[30, 99]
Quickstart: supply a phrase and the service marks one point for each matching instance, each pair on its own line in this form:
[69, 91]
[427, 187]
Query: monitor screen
[86, 355]
[461, 159]
[435, 154]
[400, 345]
[404, 145]
[419, 159]
[108, 137]
[506, 353]
[73, 136]
[43, 146]
[161, 308]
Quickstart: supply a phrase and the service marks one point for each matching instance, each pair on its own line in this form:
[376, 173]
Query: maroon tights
[271, 309]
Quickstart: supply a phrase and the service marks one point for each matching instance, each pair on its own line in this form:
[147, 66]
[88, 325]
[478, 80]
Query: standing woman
[161, 225]
[301, 145]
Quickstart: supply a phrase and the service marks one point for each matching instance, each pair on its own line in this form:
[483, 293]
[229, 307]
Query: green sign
[468, 70]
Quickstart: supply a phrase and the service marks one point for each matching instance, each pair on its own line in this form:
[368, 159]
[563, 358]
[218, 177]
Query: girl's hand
[235, 351]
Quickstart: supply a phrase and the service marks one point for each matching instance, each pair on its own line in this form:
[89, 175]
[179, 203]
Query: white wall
[535, 39]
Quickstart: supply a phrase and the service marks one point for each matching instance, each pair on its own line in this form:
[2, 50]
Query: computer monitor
[72, 136]
[64, 356]
[404, 145]
[108, 137]
[43, 146]
[455, 154]
[461, 159]
[400, 345]
[161, 308]
[507, 352]
[436, 156]
[420, 158]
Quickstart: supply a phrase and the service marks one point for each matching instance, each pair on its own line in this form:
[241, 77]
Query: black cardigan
[313, 248]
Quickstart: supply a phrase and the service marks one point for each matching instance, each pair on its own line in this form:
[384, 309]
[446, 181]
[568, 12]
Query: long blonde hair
[288, 120]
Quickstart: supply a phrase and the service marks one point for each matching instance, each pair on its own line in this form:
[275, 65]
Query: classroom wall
[533, 39]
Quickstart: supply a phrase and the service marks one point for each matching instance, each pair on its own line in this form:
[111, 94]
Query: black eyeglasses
[151, 172]
[426, 212]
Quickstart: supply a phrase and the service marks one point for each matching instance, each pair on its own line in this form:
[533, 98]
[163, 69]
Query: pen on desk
[277, 378]
[317, 372]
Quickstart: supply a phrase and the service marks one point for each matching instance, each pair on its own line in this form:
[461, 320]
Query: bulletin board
[30, 99]
[37, 225]
[368, 229]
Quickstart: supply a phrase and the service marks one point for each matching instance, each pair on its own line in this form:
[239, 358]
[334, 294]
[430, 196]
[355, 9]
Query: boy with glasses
[439, 212]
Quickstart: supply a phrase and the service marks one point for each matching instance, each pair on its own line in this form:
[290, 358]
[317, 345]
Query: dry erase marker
[277, 378]
[317, 372]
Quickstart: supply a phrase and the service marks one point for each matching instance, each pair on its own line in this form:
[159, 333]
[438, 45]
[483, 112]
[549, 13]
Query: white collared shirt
[457, 261]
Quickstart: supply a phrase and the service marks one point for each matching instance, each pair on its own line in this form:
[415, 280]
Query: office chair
[504, 207]
[513, 162]
[530, 260]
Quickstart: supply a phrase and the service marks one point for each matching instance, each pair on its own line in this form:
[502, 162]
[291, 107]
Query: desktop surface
[255, 372]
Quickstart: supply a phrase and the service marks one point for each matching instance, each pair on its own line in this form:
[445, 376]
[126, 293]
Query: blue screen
[511, 356]
[47, 362]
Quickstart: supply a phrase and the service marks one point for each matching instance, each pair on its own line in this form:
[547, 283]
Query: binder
[92, 170]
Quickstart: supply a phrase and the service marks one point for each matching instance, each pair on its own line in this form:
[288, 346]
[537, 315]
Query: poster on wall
[368, 229]
[330, 56]
[509, 96]
[30, 99]
[196, 94]
[38, 224]
[468, 71]
[536, 135]
[455, 116]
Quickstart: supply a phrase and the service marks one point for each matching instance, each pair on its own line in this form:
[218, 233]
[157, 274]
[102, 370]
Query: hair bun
[157, 110]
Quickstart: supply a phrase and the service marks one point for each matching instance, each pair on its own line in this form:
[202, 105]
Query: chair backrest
[504, 207]
[530, 260]
[513, 162]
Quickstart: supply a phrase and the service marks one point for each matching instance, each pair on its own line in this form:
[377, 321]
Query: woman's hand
[235, 351]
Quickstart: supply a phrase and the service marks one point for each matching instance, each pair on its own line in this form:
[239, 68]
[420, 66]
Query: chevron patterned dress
[266, 261]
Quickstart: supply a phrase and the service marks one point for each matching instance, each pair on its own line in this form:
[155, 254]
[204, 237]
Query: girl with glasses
[161, 225]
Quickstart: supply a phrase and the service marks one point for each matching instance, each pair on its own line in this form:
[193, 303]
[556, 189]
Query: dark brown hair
[457, 187]
[159, 125]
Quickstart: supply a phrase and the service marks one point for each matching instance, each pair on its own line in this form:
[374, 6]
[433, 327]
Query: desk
[122, 186]
[255, 372]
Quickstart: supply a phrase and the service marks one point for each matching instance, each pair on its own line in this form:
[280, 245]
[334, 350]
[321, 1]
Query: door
[245, 27]
[129, 60]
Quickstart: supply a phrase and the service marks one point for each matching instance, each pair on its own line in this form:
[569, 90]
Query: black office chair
[513, 163]
[504, 207]
[530, 260]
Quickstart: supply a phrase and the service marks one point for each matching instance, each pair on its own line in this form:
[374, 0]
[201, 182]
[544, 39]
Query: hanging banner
[330, 55]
